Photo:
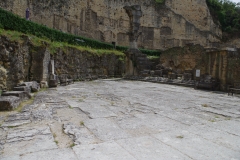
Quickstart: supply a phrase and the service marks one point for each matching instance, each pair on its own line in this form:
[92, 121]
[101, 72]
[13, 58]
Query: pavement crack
[172, 147]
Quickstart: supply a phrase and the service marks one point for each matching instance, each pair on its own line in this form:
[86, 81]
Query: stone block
[20, 94]
[22, 88]
[158, 73]
[44, 84]
[8, 103]
[53, 83]
[172, 76]
[187, 76]
[33, 85]
[152, 73]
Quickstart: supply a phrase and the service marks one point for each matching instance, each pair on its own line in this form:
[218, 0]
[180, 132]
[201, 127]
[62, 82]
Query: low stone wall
[23, 61]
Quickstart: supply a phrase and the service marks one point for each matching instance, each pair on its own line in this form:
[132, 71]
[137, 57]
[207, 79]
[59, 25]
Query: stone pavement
[123, 120]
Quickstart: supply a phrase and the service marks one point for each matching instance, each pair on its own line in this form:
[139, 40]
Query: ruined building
[177, 23]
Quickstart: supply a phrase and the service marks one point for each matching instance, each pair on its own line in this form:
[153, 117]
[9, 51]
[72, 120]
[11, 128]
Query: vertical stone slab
[46, 60]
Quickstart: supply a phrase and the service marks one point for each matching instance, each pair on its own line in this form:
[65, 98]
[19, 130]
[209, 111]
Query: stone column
[53, 82]
[52, 66]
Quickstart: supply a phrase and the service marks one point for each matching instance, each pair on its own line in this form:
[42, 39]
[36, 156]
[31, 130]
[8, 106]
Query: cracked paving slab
[110, 120]
[106, 129]
[150, 148]
[195, 146]
[102, 151]
[28, 139]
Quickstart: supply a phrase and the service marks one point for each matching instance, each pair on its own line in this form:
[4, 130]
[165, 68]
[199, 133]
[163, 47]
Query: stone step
[8, 103]
[21, 94]
[22, 88]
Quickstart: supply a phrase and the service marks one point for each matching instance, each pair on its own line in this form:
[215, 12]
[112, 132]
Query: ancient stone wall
[174, 24]
[15, 60]
[23, 61]
[223, 65]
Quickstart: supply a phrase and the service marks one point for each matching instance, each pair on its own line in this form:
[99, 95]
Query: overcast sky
[236, 1]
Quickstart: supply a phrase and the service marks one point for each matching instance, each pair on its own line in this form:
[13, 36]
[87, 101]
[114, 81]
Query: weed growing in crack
[12, 126]
[72, 145]
[211, 120]
[24, 103]
[180, 137]
[56, 142]
[70, 107]
[82, 123]
[81, 100]
[205, 105]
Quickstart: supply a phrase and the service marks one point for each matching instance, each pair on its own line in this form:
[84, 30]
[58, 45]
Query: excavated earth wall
[23, 61]
[163, 26]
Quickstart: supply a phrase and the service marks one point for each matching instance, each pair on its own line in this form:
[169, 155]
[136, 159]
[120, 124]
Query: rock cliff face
[23, 61]
[173, 24]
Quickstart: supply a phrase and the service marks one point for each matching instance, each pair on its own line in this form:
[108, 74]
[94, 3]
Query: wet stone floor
[123, 120]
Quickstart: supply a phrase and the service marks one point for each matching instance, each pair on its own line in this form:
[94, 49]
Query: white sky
[236, 1]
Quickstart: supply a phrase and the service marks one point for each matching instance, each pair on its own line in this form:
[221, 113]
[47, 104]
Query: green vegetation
[12, 126]
[54, 46]
[227, 13]
[24, 103]
[82, 123]
[13, 22]
[160, 1]
[180, 137]
[153, 57]
[81, 100]
[144, 51]
[205, 105]
[56, 38]
[72, 145]
[212, 120]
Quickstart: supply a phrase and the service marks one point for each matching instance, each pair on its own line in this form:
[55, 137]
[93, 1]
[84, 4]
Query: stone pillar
[52, 67]
[136, 62]
[134, 12]
[53, 82]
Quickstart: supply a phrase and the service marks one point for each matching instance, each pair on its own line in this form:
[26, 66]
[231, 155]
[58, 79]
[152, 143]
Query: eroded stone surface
[107, 119]
[55, 154]
[80, 135]
[105, 151]
[9, 103]
[17, 119]
[28, 139]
